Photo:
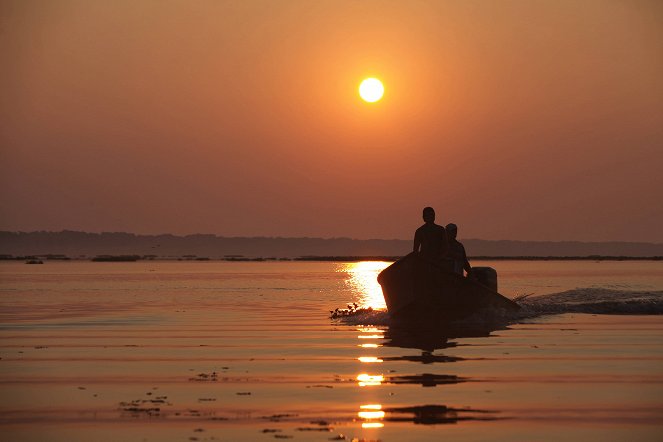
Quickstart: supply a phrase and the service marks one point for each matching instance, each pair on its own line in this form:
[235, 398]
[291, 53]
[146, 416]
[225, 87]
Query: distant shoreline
[136, 258]
[490, 258]
[82, 245]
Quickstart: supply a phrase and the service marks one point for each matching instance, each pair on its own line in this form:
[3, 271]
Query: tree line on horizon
[77, 244]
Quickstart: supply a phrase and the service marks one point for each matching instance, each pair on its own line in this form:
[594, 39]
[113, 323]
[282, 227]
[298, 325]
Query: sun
[371, 90]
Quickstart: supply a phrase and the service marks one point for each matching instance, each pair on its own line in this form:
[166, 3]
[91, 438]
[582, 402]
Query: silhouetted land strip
[134, 258]
[120, 258]
[492, 258]
[347, 258]
[569, 258]
[82, 245]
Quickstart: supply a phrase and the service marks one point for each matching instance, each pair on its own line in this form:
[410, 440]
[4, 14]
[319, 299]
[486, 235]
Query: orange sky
[536, 120]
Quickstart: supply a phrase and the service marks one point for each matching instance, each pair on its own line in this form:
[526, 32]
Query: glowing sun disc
[371, 90]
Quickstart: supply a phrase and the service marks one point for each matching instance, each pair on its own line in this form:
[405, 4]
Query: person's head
[452, 230]
[429, 214]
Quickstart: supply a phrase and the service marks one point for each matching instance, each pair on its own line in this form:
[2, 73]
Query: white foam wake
[597, 301]
[581, 300]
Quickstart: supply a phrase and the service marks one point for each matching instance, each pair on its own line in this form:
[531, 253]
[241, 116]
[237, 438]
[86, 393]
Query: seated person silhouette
[457, 251]
[430, 240]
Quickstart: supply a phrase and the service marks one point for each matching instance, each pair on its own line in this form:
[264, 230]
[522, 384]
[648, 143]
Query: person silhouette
[430, 240]
[457, 251]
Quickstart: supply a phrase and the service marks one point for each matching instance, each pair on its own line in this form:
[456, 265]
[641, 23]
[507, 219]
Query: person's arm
[467, 267]
[466, 264]
[417, 241]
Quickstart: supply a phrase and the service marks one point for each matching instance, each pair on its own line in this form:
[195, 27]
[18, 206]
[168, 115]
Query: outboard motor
[486, 276]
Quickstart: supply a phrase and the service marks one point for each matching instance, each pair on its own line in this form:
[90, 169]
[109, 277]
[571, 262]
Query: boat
[415, 288]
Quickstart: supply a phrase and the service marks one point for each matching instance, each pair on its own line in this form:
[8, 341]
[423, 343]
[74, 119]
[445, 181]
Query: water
[246, 352]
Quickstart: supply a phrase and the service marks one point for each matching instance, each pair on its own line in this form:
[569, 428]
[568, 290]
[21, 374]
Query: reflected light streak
[370, 336]
[371, 414]
[369, 330]
[369, 359]
[367, 380]
[369, 345]
[363, 280]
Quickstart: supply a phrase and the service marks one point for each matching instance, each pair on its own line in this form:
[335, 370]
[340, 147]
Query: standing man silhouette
[430, 240]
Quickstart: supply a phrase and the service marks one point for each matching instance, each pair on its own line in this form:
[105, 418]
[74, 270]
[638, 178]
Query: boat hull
[415, 288]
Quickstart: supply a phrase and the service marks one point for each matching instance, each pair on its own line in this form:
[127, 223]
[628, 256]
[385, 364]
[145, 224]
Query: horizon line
[315, 237]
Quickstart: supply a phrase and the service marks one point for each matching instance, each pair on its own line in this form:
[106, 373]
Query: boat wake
[581, 300]
[596, 301]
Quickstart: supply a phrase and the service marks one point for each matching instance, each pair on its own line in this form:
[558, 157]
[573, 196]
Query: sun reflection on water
[370, 336]
[375, 333]
[369, 359]
[367, 380]
[371, 415]
[369, 330]
[363, 280]
[368, 293]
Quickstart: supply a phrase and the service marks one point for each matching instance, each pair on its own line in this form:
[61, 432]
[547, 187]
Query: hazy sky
[534, 120]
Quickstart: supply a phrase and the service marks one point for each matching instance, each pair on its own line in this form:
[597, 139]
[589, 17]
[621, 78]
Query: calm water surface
[188, 351]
